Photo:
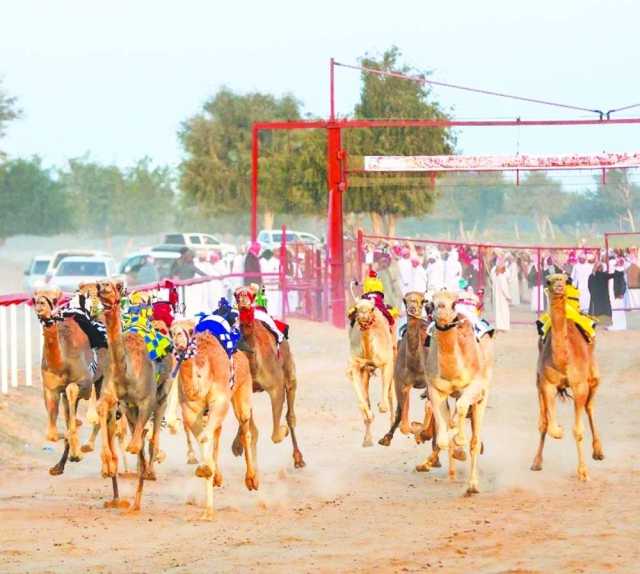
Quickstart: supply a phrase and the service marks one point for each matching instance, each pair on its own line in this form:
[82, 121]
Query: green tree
[31, 200]
[617, 198]
[541, 197]
[389, 197]
[215, 176]
[9, 111]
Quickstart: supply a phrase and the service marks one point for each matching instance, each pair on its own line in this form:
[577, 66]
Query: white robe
[580, 276]
[501, 296]
[452, 272]
[406, 275]
[618, 314]
[435, 275]
[419, 279]
[272, 286]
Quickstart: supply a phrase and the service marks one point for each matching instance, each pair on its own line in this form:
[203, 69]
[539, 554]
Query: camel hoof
[537, 465]
[557, 432]
[436, 463]
[134, 448]
[236, 448]
[598, 454]
[298, 461]
[191, 458]
[367, 442]
[281, 435]
[583, 476]
[385, 440]
[425, 467]
[53, 436]
[383, 408]
[251, 482]
[473, 489]
[121, 504]
[56, 470]
[149, 475]
[459, 454]
[135, 509]
[204, 471]
[217, 479]
[208, 515]
[75, 457]
[86, 448]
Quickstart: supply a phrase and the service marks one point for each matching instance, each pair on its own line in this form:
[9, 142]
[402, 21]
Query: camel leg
[142, 464]
[360, 380]
[472, 394]
[107, 415]
[142, 416]
[386, 374]
[550, 391]
[428, 463]
[298, 460]
[277, 396]
[242, 410]
[542, 427]
[191, 454]
[172, 409]
[92, 413]
[89, 446]
[207, 438]
[155, 454]
[440, 408]
[52, 403]
[579, 401]
[477, 415]
[71, 392]
[598, 454]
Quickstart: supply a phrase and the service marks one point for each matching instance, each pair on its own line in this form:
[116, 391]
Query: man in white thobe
[435, 271]
[452, 271]
[580, 277]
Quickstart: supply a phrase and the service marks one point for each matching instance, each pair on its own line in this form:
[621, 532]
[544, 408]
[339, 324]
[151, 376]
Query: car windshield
[40, 267]
[163, 266]
[174, 238]
[82, 269]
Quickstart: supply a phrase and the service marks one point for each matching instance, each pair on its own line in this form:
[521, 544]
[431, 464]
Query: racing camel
[208, 382]
[137, 385]
[458, 366]
[566, 361]
[372, 348]
[69, 371]
[272, 368]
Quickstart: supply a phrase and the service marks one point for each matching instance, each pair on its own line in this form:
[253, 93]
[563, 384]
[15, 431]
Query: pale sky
[117, 78]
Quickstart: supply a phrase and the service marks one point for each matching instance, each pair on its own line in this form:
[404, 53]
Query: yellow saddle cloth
[586, 323]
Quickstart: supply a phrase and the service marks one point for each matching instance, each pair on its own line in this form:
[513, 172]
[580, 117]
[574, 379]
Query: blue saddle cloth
[219, 327]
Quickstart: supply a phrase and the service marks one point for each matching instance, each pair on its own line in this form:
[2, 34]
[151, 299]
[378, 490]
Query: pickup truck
[200, 242]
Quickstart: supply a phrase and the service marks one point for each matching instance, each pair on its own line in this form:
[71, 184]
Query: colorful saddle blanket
[94, 330]
[278, 329]
[137, 320]
[219, 327]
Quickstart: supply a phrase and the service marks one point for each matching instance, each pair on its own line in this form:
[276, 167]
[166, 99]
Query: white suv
[200, 242]
[272, 238]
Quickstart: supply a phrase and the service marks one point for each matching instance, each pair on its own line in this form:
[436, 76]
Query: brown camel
[410, 365]
[70, 370]
[566, 361]
[272, 370]
[208, 382]
[138, 386]
[458, 366]
[372, 348]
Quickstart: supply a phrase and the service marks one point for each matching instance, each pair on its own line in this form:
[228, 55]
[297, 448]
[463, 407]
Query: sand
[351, 509]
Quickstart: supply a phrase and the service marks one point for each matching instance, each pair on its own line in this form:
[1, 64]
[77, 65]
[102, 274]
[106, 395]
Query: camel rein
[188, 353]
[367, 324]
[457, 321]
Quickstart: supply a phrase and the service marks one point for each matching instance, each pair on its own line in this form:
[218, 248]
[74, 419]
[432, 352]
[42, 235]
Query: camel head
[444, 307]
[414, 303]
[45, 302]
[556, 284]
[181, 333]
[245, 296]
[365, 314]
[110, 292]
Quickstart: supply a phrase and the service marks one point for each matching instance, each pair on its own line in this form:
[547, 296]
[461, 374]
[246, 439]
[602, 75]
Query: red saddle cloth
[163, 311]
[378, 300]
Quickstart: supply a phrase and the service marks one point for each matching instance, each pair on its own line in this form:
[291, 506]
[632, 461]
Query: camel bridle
[55, 316]
[185, 354]
[365, 325]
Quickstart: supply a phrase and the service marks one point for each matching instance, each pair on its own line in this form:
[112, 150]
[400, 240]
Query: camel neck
[114, 336]
[558, 330]
[414, 326]
[52, 351]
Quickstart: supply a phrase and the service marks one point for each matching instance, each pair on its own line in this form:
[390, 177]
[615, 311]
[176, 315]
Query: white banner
[498, 163]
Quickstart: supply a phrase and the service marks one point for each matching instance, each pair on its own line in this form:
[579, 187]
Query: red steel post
[334, 231]
[255, 150]
[283, 272]
[332, 90]
[359, 254]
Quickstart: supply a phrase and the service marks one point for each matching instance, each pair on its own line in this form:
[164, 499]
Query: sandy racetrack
[351, 509]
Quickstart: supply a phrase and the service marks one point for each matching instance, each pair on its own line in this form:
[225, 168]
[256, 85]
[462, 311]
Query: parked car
[200, 242]
[163, 258]
[77, 269]
[272, 238]
[36, 272]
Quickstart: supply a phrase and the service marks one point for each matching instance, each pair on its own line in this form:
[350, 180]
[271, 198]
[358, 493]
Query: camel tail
[564, 394]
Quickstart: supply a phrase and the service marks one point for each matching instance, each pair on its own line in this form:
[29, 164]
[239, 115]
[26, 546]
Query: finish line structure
[337, 167]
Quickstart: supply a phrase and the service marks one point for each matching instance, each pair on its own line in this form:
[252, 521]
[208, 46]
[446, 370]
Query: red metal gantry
[336, 170]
